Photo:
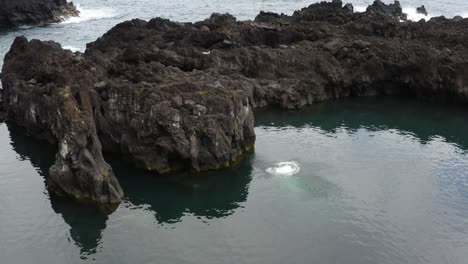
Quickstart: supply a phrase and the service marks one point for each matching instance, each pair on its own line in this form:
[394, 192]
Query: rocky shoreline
[15, 13]
[172, 97]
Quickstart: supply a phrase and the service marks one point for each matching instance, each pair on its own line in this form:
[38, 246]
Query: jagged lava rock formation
[15, 13]
[180, 96]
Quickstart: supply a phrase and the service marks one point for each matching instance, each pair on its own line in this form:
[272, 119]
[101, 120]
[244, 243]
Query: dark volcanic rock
[421, 10]
[173, 96]
[161, 118]
[380, 9]
[62, 114]
[14, 13]
[332, 12]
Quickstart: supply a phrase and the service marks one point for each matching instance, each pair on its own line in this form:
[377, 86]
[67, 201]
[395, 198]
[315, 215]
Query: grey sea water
[371, 180]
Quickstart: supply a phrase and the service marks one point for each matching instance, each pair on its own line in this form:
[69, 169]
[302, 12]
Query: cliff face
[14, 13]
[171, 97]
[160, 118]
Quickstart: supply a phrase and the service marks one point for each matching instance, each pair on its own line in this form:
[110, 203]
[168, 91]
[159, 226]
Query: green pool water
[373, 180]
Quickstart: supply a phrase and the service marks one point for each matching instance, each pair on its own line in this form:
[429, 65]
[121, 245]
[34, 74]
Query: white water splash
[410, 11]
[360, 9]
[90, 14]
[73, 49]
[413, 15]
[284, 168]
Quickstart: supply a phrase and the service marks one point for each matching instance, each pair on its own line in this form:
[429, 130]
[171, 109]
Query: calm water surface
[377, 181]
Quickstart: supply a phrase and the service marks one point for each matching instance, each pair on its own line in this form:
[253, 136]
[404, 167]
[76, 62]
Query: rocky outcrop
[160, 118]
[380, 9]
[14, 13]
[173, 96]
[421, 10]
[61, 114]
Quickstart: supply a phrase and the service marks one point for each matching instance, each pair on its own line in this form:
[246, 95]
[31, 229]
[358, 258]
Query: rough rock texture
[179, 96]
[160, 118]
[14, 13]
[61, 114]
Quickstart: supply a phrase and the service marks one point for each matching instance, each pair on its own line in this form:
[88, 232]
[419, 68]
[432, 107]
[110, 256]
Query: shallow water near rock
[381, 180]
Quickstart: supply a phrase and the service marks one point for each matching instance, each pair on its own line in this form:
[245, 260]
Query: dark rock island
[15, 13]
[172, 97]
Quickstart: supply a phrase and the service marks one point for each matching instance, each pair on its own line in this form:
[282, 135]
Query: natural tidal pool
[370, 180]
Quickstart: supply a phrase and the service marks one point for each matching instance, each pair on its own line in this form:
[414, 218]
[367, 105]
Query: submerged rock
[173, 96]
[15, 13]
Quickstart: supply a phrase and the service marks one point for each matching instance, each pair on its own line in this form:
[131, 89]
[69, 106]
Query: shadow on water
[40, 153]
[209, 194]
[422, 119]
[86, 222]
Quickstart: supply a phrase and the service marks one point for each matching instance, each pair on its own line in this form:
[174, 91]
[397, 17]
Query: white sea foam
[413, 15]
[90, 14]
[73, 49]
[410, 11]
[284, 168]
[360, 9]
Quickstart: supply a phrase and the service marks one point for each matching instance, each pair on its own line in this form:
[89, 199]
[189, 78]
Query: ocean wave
[90, 14]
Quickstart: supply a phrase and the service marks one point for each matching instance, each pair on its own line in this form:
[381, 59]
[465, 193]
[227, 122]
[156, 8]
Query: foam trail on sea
[90, 14]
[284, 168]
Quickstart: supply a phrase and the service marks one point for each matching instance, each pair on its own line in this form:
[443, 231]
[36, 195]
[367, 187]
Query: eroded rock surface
[15, 13]
[174, 96]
